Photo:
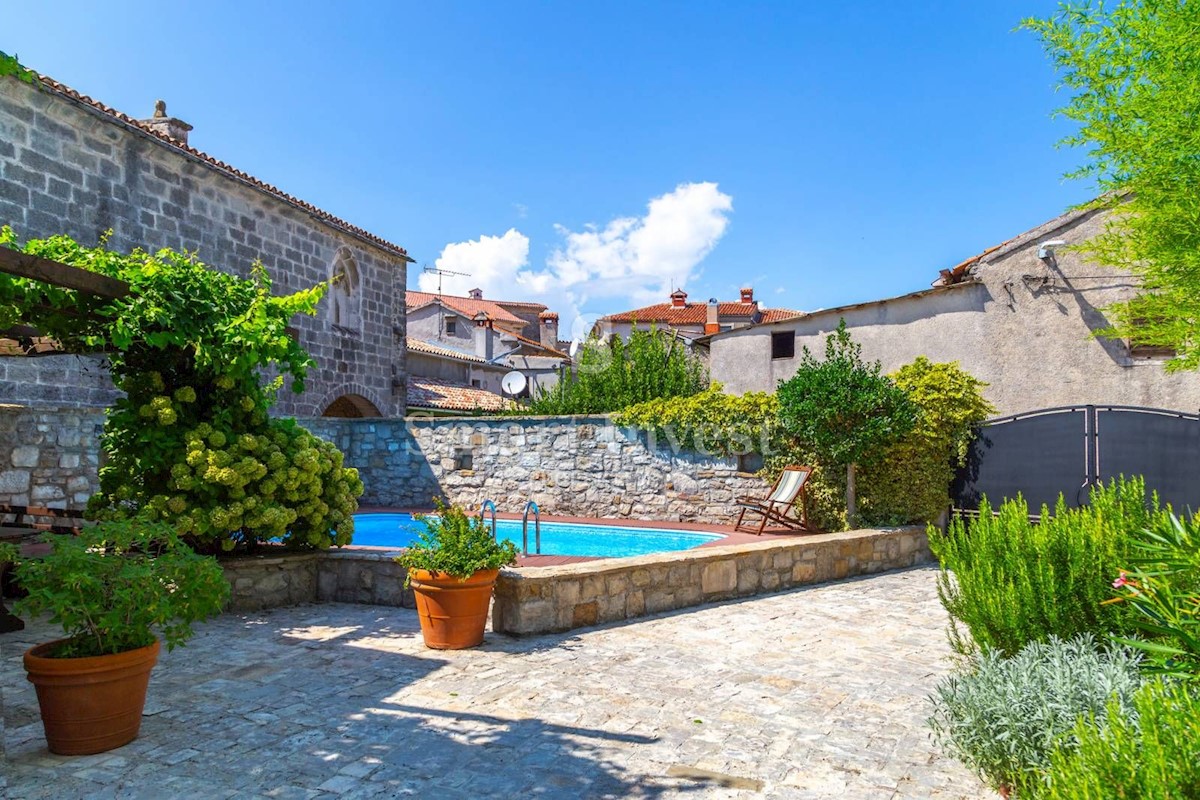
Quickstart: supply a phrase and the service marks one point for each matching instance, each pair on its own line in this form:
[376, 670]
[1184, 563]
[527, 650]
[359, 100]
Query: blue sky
[592, 154]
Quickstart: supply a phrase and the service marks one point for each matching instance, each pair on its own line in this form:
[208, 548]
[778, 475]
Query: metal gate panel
[1040, 454]
[1162, 446]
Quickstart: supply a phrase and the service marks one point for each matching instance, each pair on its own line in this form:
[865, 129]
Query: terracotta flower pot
[453, 613]
[90, 704]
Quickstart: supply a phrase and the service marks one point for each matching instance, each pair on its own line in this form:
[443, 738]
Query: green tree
[844, 409]
[615, 374]
[1133, 70]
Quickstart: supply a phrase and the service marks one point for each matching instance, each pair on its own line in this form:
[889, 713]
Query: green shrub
[710, 421]
[615, 374]
[1004, 716]
[115, 583]
[456, 544]
[190, 441]
[911, 482]
[1151, 754]
[843, 410]
[1163, 590]
[1011, 581]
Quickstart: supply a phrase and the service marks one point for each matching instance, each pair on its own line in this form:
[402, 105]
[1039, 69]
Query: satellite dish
[513, 383]
[576, 345]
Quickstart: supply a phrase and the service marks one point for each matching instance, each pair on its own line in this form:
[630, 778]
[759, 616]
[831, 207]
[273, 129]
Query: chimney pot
[476, 294]
[747, 295]
[712, 318]
[679, 298]
[548, 329]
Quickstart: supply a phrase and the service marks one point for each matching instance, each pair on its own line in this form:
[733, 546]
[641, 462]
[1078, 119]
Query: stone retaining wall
[571, 466]
[535, 600]
[289, 579]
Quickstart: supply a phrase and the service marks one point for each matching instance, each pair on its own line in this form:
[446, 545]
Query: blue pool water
[558, 538]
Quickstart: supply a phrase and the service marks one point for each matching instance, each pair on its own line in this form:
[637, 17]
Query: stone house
[72, 165]
[1021, 316]
[691, 320]
[493, 337]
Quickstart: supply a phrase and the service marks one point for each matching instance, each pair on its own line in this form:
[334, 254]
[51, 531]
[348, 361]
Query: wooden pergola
[26, 341]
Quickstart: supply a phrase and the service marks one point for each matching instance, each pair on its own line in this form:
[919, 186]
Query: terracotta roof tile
[447, 396]
[422, 346]
[466, 306]
[537, 344]
[695, 313]
[324, 216]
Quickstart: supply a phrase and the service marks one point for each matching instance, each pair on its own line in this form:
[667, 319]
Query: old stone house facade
[70, 165]
[1020, 316]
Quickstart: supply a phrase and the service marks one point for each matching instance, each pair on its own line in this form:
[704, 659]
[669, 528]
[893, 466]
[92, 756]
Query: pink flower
[1120, 581]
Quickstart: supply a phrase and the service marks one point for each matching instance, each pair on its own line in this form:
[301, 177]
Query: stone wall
[49, 456]
[289, 579]
[68, 167]
[535, 600]
[572, 466]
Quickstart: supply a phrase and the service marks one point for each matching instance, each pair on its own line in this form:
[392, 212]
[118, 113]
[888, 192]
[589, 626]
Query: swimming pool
[558, 538]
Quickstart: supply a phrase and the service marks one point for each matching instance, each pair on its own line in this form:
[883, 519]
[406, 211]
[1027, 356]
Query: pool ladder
[488, 505]
[537, 528]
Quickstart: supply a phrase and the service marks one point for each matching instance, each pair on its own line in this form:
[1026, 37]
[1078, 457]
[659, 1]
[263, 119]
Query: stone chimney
[485, 337]
[712, 321]
[548, 329]
[747, 295]
[476, 294]
[679, 298]
[176, 129]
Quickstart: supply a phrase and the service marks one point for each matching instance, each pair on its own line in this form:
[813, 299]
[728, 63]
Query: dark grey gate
[1069, 449]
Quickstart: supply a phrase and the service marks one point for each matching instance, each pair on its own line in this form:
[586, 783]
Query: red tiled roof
[447, 396]
[221, 166]
[696, 313]
[466, 306]
[422, 346]
[778, 314]
[539, 345]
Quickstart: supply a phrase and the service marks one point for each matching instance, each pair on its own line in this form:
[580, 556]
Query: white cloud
[628, 262]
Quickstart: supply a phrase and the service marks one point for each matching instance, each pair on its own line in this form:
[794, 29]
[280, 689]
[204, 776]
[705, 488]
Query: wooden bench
[21, 525]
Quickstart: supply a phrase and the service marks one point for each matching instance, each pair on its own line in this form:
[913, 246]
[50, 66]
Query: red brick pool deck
[730, 535]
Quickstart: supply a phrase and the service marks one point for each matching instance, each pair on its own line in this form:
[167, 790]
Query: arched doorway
[353, 406]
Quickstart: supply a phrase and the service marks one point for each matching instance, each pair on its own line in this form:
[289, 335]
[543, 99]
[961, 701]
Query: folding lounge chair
[783, 506]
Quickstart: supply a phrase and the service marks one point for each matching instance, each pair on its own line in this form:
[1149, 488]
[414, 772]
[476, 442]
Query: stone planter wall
[363, 576]
[258, 582]
[536, 600]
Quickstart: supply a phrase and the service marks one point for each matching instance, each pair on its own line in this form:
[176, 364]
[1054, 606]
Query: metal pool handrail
[537, 529]
[483, 510]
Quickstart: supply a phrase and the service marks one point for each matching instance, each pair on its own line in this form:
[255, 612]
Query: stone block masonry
[537, 600]
[48, 456]
[67, 167]
[276, 580]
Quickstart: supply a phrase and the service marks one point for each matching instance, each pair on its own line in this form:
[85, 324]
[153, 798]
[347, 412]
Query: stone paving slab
[814, 693]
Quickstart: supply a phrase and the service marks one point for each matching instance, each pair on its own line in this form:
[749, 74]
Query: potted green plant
[110, 588]
[452, 569]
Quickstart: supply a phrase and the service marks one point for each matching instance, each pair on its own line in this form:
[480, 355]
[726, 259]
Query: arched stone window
[345, 292]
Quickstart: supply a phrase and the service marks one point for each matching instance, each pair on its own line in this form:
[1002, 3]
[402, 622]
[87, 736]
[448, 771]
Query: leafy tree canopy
[1133, 71]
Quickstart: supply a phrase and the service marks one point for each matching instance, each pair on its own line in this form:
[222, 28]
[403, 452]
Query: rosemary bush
[1004, 716]
[456, 544]
[1011, 581]
[1153, 754]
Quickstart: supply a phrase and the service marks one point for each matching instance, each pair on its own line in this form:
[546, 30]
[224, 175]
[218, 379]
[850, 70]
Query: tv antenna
[440, 272]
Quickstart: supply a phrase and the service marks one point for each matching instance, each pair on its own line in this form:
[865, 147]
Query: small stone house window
[451, 326]
[464, 459]
[783, 345]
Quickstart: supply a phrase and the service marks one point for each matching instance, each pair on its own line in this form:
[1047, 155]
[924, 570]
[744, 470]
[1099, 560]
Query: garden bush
[1162, 588]
[1151, 754]
[710, 422]
[1003, 717]
[190, 441]
[614, 374]
[455, 543]
[1011, 581]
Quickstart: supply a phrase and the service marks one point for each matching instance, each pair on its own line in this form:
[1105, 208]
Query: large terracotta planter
[453, 613]
[90, 704]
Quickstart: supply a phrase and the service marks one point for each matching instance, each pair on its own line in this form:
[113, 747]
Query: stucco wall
[67, 168]
[1025, 328]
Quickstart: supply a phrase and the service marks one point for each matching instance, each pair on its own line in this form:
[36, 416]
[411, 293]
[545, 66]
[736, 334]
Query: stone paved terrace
[818, 692]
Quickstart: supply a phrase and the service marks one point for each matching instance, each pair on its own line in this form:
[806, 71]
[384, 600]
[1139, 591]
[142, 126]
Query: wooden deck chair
[783, 506]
